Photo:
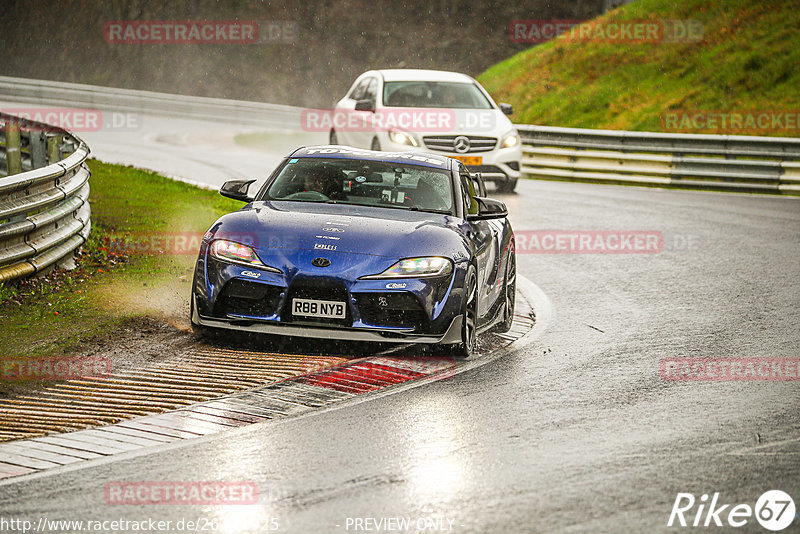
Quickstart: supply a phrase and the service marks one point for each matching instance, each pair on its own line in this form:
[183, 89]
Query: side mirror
[508, 109]
[488, 208]
[365, 105]
[237, 190]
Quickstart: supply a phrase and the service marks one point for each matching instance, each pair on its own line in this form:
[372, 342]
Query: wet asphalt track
[575, 431]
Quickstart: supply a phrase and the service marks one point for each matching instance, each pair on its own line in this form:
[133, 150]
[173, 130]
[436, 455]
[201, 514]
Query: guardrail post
[53, 154]
[38, 148]
[65, 149]
[13, 142]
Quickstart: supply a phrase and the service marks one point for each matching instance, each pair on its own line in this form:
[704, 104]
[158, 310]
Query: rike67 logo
[774, 511]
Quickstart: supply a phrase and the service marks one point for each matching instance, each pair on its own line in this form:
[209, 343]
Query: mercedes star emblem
[461, 144]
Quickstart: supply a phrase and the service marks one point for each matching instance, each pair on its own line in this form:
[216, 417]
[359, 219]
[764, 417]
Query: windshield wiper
[428, 210]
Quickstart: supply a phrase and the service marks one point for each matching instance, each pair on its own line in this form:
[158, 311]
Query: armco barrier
[149, 102]
[717, 162]
[44, 197]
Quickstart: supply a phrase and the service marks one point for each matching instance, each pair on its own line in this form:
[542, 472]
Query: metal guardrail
[149, 102]
[44, 196]
[718, 162]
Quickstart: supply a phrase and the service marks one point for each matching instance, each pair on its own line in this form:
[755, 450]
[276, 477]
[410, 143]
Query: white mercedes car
[430, 111]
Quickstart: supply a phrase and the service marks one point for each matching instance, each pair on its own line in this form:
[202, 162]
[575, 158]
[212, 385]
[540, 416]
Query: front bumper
[412, 310]
[452, 335]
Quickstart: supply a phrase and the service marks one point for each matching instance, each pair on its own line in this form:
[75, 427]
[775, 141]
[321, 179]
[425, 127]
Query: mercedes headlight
[402, 138]
[233, 252]
[510, 140]
[415, 268]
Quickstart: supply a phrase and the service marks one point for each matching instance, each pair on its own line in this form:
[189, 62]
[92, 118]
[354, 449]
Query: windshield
[363, 183]
[418, 94]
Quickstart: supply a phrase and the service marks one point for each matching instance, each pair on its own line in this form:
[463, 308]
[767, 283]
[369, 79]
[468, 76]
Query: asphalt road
[575, 431]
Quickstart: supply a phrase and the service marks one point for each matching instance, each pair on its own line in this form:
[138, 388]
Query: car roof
[410, 75]
[347, 152]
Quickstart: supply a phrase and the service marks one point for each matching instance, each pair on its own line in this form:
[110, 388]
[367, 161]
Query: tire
[469, 323]
[508, 186]
[333, 139]
[198, 330]
[376, 145]
[509, 293]
[205, 333]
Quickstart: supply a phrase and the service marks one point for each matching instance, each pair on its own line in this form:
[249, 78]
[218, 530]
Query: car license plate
[469, 160]
[319, 308]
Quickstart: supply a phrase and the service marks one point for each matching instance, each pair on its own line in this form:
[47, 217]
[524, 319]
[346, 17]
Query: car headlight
[233, 252]
[415, 268]
[402, 138]
[510, 140]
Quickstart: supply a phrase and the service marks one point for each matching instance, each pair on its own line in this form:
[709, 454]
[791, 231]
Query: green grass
[746, 61]
[113, 285]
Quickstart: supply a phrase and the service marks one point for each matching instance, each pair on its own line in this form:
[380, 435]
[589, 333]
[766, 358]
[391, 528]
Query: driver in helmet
[324, 179]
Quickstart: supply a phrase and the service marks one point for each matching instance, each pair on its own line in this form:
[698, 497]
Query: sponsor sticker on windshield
[387, 155]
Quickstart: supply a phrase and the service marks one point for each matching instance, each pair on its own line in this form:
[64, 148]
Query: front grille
[390, 309]
[309, 288]
[240, 297]
[444, 143]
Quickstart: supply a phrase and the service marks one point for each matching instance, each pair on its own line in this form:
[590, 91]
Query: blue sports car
[350, 244]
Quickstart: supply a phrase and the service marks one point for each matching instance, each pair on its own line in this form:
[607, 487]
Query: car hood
[337, 228]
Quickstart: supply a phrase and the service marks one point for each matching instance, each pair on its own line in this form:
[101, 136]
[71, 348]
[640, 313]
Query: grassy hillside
[746, 61]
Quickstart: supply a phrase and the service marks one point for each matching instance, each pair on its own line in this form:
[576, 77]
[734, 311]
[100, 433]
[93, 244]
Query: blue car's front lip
[435, 296]
[381, 335]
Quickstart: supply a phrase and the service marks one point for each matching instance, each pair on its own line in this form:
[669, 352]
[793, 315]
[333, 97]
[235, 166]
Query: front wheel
[469, 322]
[197, 330]
[508, 186]
[206, 333]
[509, 292]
